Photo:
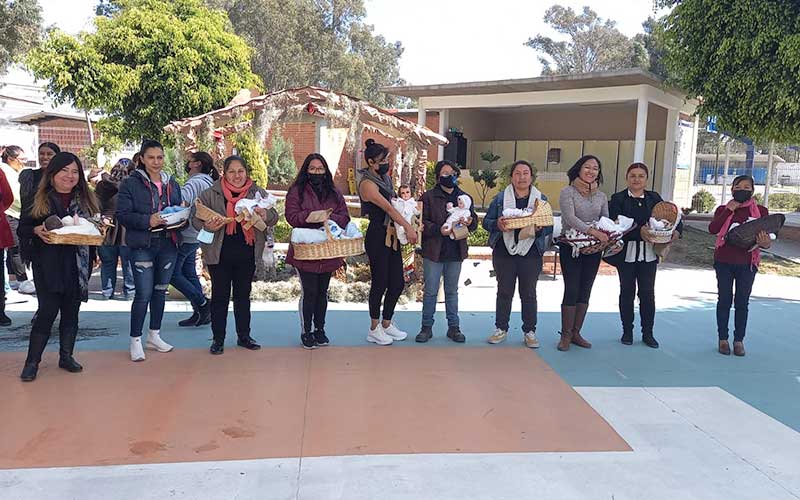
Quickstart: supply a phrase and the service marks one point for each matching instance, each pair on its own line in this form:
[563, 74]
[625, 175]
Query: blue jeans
[433, 272]
[740, 277]
[109, 255]
[184, 279]
[152, 271]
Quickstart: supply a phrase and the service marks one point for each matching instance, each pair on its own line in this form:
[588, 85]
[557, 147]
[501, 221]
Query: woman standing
[231, 257]
[313, 189]
[581, 204]
[442, 255]
[113, 249]
[516, 257]
[637, 263]
[14, 162]
[154, 249]
[736, 268]
[61, 271]
[385, 262]
[202, 175]
[6, 241]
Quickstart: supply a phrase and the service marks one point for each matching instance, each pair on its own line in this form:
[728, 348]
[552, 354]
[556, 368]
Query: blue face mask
[448, 181]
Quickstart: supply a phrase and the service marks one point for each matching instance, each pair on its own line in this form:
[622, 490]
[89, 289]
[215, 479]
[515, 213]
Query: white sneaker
[137, 353]
[155, 342]
[498, 336]
[531, 340]
[378, 336]
[394, 332]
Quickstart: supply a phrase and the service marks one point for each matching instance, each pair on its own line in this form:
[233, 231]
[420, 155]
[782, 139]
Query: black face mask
[447, 181]
[383, 168]
[742, 195]
[316, 180]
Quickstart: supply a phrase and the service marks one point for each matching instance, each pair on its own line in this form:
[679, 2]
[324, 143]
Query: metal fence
[784, 175]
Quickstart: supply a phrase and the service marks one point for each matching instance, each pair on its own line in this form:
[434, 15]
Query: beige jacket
[214, 199]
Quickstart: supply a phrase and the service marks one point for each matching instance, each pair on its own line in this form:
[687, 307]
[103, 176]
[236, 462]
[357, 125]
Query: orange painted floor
[285, 402]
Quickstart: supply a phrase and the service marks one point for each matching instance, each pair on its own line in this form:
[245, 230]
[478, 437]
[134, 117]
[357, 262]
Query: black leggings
[642, 274]
[579, 274]
[236, 267]
[314, 302]
[68, 304]
[386, 267]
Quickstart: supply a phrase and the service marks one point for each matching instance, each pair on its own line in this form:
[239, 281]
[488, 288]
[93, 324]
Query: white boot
[137, 353]
[155, 342]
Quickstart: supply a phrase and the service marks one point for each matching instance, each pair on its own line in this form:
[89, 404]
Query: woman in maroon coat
[6, 241]
[313, 190]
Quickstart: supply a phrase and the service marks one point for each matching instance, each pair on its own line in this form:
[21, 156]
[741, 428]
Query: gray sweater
[578, 211]
[195, 185]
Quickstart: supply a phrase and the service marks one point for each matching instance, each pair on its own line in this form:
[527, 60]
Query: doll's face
[461, 203]
[405, 193]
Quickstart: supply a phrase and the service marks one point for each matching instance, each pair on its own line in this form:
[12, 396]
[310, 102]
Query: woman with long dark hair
[231, 256]
[385, 261]
[736, 267]
[313, 190]
[581, 203]
[637, 263]
[202, 175]
[61, 271]
[154, 249]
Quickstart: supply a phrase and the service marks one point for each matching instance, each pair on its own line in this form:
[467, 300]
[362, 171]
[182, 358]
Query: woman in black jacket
[61, 272]
[637, 262]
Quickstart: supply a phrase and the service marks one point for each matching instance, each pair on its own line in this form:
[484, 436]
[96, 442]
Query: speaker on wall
[456, 149]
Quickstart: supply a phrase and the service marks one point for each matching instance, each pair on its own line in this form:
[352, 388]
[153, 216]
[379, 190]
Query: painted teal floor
[768, 378]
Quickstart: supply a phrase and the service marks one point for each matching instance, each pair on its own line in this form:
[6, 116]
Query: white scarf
[520, 247]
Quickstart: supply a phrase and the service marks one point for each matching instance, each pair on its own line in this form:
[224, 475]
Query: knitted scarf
[583, 187]
[230, 206]
[755, 255]
[520, 247]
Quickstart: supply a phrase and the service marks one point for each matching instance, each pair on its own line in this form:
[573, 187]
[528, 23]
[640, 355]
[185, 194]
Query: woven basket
[541, 217]
[79, 239]
[206, 214]
[663, 210]
[330, 249]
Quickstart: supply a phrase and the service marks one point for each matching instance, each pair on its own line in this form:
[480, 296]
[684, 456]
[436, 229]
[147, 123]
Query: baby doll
[407, 206]
[457, 213]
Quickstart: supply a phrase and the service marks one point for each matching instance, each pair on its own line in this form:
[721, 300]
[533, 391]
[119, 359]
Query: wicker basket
[206, 214]
[79, 239]
[541, 217]
[667, 211]
[330, 249]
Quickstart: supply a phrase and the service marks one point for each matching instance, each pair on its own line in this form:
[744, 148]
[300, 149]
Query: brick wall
[70, 135]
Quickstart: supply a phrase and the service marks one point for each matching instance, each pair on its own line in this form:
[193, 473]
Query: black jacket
[434, 215]
[622, 203]
[138, 199]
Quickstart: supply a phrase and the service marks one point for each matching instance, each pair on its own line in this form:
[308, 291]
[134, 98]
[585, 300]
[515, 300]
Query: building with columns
[618, 116]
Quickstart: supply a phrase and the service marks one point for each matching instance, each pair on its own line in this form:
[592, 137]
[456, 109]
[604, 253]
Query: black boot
[424, 335]
[191, 320]
[627, 337]
[246, 341]
[67, 338]
[217, 347]
[36, 346]
[320, 337]
[649, 340]
[4, 320]
[454, 334]
[204, 314]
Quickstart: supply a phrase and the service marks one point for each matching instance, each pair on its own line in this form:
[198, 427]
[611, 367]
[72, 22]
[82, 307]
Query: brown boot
[724, 347]
[580, 315]
[567, 323]
[738, 348]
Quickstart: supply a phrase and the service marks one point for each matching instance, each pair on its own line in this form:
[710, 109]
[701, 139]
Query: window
[554, 156]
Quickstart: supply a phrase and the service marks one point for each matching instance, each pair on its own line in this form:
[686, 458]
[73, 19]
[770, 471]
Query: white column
[727, 165]
[641, 129]
[668, 173]
[693, 156]
[444, 124]
[421, 115]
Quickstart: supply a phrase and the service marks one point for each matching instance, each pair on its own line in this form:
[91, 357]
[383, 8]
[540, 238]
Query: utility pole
[769, 173]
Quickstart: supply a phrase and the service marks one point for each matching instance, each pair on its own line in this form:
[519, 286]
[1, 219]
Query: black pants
[641, 276]
[510, 270]
[579, 274]
[314, 302]
[729, 275]
[2, 284]
[50, 304]
[386, 267]
[13, 259]
[236, 267]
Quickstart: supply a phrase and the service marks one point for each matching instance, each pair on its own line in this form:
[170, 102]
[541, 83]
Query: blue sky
[445, 40]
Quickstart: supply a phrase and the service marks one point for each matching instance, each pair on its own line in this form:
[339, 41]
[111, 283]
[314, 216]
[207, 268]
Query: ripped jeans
[152, 272]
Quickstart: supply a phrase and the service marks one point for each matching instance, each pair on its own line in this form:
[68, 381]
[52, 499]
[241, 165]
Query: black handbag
[744, 236]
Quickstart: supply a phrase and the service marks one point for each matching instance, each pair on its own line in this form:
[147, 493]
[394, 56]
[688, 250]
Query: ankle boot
[580, 315]
[190, 321]
[204, 314]
[36, 346]
[4, 320]
[567, 323]
[67, 338]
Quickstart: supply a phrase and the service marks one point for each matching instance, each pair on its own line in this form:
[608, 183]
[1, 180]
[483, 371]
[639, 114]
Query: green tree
[485, 179]
[741, 59]
[150, 62]
[653, 41]
[282, 167]
[20, 29]
[253, 153]
[592, 45]
[316, 42]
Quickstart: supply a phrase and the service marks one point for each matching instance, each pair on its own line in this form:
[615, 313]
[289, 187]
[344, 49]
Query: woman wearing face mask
[581, 204]
[442, 255]
[311, 191]
[637, 262]
[202, 175]
[736, 268]
[386, 263]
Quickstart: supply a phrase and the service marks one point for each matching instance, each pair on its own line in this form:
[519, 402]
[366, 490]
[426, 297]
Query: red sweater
[730, 254]
[6, 199]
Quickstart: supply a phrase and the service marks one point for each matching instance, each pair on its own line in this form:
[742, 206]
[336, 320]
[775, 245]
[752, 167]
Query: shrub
[282, 168]
[759, 198]
[784, 201]
[430, 175]
[703, 201]
[485, 181]
[282, 231]
[479, 238]
[247, 147]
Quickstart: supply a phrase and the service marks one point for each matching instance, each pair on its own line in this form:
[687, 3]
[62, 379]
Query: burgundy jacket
[296, 214]
[6, 199]
[730, 254]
